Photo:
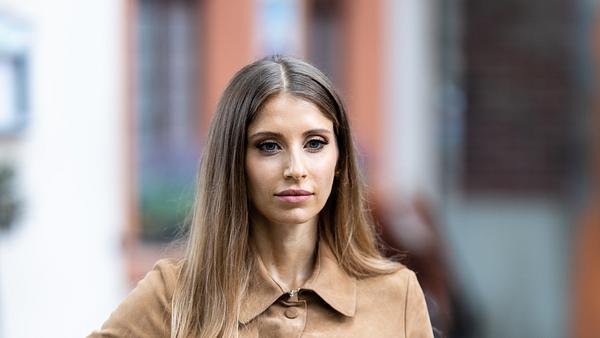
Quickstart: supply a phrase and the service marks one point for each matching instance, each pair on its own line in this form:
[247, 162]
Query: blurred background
[476, 122]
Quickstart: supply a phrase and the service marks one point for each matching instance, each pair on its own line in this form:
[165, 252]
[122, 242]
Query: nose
[295, 167]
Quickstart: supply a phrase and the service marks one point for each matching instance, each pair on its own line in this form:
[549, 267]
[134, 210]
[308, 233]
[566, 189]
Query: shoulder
[395, 283]
[399, 287]
[146, 311]
[163, 277]
[156, 288]
[396, 296]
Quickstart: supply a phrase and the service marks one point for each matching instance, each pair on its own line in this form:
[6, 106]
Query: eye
[268, 147]
[315, 144]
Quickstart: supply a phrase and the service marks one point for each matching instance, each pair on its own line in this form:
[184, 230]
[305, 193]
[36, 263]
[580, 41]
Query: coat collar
[329, 281]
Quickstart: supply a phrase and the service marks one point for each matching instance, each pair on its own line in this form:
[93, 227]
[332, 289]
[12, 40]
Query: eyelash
[321, 143]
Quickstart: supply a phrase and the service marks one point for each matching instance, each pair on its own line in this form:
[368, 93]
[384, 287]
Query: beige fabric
[331, 304]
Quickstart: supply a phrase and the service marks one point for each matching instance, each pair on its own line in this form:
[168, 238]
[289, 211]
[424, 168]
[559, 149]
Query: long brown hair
[217, 261]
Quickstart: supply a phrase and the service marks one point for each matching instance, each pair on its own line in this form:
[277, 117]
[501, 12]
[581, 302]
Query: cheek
[326, 171]
[258, 174]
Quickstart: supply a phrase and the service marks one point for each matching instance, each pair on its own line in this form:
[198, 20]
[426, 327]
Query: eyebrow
[306, 133]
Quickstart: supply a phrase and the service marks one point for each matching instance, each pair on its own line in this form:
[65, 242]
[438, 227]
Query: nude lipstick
[294, 195]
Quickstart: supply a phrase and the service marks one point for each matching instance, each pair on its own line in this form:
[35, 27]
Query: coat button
[291, 313]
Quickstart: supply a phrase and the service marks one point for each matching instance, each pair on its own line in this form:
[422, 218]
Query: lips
[294, 195]
[294, 192]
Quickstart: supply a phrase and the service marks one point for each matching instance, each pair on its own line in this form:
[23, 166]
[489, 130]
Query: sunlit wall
[59, 261]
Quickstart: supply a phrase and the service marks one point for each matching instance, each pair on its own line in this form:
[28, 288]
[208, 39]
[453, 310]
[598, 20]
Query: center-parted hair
[218, 260]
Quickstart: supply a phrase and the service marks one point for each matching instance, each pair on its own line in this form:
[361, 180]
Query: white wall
[411, 98]
[60, 266]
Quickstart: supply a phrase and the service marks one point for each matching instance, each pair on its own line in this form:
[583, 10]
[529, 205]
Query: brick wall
[519, 94]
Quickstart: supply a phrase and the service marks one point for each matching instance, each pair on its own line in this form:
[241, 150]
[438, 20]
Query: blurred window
[277, 26]
[167, 143]
[325, 36]
[15, 41]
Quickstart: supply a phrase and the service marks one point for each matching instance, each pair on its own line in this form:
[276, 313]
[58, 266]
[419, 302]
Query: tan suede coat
[331, 304]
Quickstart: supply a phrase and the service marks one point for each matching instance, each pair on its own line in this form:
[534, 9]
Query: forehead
[286, 112]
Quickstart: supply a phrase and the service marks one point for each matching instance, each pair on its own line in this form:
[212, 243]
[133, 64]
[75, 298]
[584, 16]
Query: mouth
[294, 192]
[294, 195]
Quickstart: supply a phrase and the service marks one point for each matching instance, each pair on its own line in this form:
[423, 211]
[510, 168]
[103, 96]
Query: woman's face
[290, 161]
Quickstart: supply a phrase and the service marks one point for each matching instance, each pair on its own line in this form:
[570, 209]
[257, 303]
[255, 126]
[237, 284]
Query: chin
[294, 217]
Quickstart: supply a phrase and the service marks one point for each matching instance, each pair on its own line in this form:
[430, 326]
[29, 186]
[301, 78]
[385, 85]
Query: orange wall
[363, 78]
[226, 47]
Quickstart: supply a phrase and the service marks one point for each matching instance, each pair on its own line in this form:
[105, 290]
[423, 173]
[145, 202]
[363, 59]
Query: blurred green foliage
[164, 206]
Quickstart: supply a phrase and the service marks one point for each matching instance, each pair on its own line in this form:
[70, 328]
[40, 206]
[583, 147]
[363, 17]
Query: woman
[281, 244]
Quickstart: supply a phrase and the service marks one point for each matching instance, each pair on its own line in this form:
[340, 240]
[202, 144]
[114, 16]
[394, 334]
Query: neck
[287, 250]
